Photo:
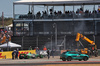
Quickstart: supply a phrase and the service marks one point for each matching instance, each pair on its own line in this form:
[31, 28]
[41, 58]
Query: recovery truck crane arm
[84, 38]
[78, 36]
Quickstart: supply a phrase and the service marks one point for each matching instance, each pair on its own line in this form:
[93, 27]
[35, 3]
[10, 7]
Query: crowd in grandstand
[58, 14]
[5, 35]
[68, 14]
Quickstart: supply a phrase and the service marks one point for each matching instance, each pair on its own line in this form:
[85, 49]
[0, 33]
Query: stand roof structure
[55, 2]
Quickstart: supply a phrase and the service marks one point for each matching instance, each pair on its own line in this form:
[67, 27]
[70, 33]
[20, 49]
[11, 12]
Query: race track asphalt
[94, 61]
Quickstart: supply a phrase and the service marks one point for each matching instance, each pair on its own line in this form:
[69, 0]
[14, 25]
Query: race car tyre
[33, 57]
[20, 57]
[63, 59]
[25, 57]
[85, 58]
[69, 58]
[80, 59]
[41, 56]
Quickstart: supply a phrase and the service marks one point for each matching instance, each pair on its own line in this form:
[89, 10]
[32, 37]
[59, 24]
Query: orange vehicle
[93, 47]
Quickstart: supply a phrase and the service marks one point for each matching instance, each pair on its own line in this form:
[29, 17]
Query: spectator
[13, 54]
[51, 10]
[44, 48]
[37, 50]
[30, 48]
[4, 35]
[53, 51]
[16, 56]
[38, 15]
[1, 50]
[29, 12]
[55, 13]
[48, 52]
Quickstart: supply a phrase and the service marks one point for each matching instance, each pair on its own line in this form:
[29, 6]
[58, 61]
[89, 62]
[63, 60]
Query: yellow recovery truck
[93, 48]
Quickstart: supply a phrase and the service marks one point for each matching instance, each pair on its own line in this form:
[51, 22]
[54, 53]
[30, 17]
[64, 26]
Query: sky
[6, 6]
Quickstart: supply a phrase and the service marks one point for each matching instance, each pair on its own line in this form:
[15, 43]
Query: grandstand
[56, 23]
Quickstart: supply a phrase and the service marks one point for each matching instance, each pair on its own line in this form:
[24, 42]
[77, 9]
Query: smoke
[50, 45]
[60, 45]
[70, 41]
[80, 27]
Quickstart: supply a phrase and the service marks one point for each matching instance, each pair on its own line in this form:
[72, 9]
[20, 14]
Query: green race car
[29, 56]
[69, 55]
